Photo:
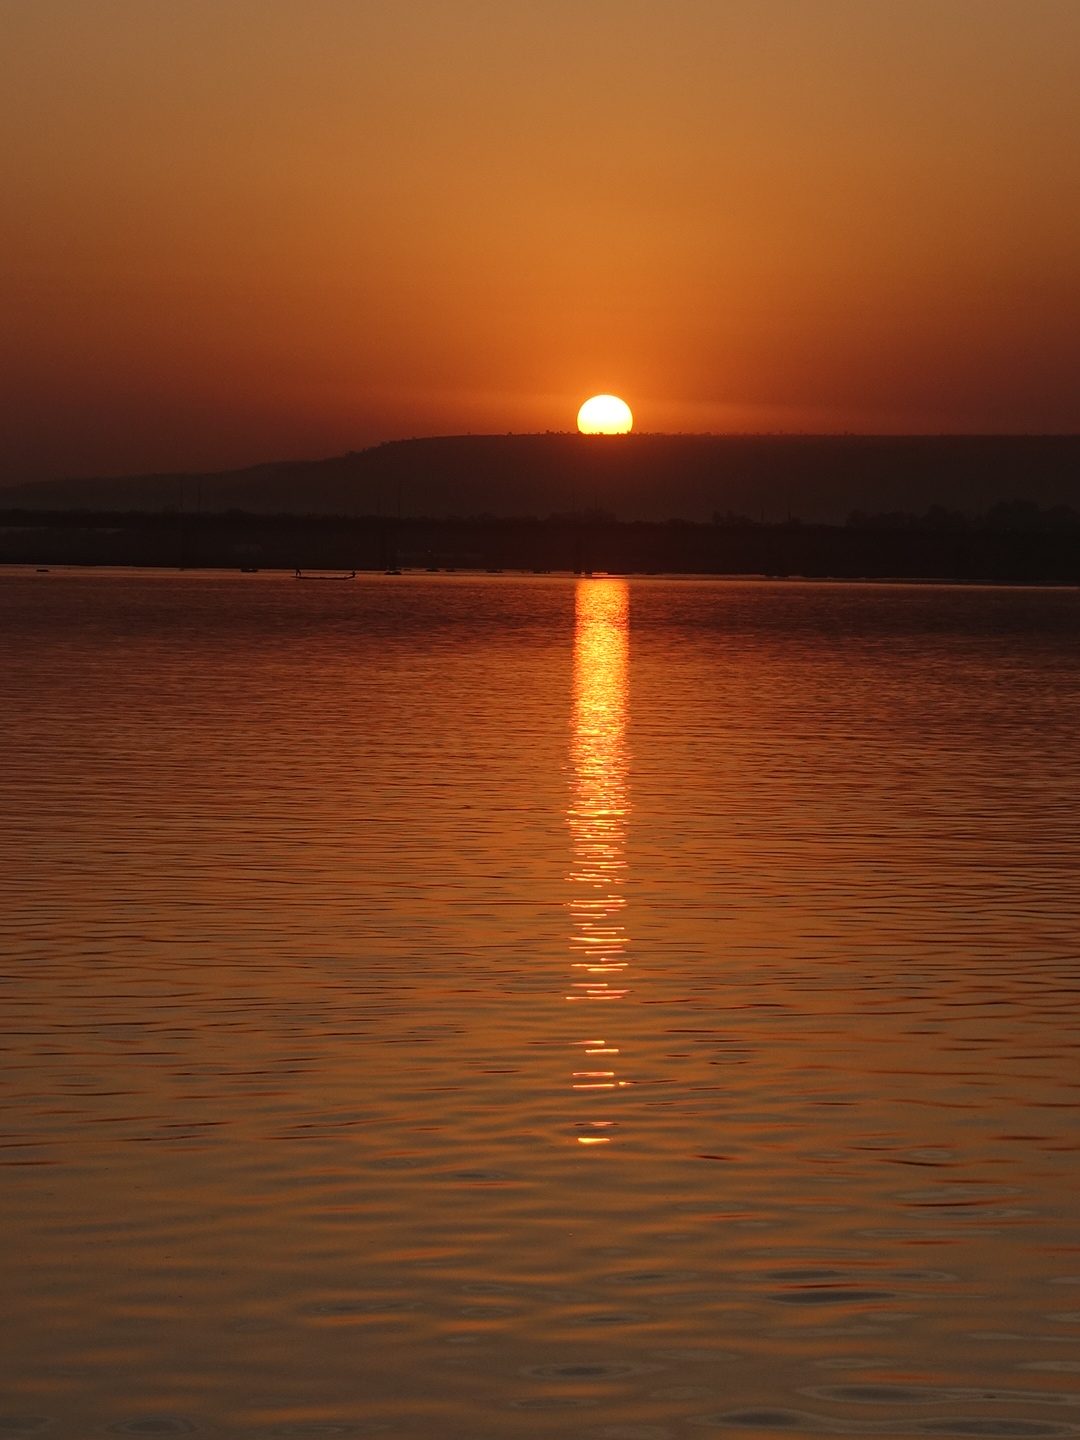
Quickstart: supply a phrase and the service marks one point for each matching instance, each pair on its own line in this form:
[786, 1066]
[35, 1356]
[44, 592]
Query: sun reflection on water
[597, 813]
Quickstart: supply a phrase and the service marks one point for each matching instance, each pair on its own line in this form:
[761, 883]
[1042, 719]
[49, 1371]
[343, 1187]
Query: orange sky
[238, 230]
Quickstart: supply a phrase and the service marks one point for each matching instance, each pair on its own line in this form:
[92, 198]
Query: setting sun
[605, 415]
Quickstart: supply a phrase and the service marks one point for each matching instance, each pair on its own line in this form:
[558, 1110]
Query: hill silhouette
[820, 479]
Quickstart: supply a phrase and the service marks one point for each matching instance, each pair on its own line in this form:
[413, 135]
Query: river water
[493, 1007]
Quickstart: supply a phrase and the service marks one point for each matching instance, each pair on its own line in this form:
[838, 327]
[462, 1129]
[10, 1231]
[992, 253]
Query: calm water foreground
[503, 1008]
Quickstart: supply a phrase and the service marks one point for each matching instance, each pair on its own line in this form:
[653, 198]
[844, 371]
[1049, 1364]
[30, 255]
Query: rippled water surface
[473, 1008]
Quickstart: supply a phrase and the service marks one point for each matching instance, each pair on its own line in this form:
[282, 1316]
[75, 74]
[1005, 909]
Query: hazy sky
[236, 230]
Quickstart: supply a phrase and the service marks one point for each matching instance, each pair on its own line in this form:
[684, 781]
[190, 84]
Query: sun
[605, 415]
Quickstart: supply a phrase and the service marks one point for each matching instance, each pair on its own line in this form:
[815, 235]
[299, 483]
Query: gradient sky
[237, 230]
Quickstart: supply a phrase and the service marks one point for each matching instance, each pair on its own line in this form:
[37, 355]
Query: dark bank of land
[1014, 543]
[769, 478]
[1001, 508]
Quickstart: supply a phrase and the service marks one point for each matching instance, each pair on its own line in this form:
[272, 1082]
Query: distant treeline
[1016, 516]
[1014, 542]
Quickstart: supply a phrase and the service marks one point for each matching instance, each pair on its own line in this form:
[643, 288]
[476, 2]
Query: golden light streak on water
[597, 815]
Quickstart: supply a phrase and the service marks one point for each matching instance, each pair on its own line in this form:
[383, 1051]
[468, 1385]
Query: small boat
[298, 574]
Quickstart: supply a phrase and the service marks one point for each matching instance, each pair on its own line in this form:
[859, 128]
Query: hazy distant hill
[649, 477]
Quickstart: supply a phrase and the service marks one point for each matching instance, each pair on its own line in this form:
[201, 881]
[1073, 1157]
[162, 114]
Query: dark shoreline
[917, 552]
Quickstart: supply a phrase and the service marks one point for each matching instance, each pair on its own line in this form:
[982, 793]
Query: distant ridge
[635, 477]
